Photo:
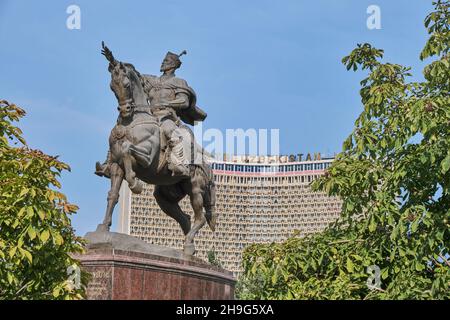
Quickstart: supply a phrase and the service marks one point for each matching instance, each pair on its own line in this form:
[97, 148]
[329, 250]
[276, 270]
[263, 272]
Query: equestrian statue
[151, 143]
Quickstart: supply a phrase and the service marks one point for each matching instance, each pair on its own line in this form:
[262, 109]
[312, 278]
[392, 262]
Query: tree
[213, 259]
[392, 240]
[36, 237]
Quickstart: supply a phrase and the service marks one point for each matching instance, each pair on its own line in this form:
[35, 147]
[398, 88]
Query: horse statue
[136, 155]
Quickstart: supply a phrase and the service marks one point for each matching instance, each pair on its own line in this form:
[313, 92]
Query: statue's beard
[167, 68]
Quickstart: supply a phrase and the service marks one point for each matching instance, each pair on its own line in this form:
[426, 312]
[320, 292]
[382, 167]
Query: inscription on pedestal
[99, 287]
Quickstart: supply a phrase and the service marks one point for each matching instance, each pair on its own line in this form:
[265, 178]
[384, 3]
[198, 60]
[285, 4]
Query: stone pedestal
[124, 267]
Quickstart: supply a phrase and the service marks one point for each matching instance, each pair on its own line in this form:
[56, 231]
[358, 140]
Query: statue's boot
[102, 170]
[177, 162]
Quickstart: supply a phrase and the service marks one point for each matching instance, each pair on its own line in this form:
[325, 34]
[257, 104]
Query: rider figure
[170, 99]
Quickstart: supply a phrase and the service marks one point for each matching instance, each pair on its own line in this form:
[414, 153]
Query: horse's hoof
[189, 249]
[137, 187]
[186, 224]
[102, 228]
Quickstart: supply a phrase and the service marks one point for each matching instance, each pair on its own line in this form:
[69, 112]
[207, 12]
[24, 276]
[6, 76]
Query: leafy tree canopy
[393, 176]
[36, 237]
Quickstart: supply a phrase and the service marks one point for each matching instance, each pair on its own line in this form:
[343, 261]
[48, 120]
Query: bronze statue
[151, 144]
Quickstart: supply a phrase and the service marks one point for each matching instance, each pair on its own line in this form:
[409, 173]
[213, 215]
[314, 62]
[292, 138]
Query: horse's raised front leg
[136, 186]
[113, 195]
[146, 151]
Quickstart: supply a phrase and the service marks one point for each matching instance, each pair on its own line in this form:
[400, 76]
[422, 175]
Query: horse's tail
[209, 199]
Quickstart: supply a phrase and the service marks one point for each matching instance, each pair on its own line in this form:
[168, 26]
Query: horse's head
[122, 87]
[126, 85]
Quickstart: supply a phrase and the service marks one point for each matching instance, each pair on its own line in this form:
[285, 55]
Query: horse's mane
[129, 65]
[140, 77]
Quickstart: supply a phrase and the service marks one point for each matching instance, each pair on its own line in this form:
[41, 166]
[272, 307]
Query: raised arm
[108, 55]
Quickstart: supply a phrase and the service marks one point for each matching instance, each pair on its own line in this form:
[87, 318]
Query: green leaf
[350, 265]
[9, 277]
[274, 278]
[392, 254]
[41, 214]
[45, 235]
[445, 164]
[15, 224]
[23, 192]
[56, 292]
[372, 224]
[58, 239]
[30, 212]
[31, 232]
[26, 254]
[254, 268]
[384, 273]
[415, 225]
[350, 206]
[419, 266]
[12, 251]
[21, 212]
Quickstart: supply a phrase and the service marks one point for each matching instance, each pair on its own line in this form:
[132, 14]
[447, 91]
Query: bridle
[129, 103]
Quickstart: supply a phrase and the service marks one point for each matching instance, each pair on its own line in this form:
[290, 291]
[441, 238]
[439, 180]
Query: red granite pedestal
[121, 272]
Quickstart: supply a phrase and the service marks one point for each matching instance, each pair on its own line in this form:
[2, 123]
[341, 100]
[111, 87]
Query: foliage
[213, 259]
[393, 176]
[36, 237]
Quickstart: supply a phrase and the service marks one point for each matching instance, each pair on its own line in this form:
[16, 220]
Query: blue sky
[254, 64]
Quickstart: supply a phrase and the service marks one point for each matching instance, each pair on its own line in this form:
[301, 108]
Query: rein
[144, 109]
